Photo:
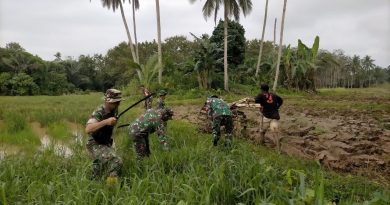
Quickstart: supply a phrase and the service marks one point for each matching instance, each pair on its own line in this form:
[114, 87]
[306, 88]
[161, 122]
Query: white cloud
[75, 27]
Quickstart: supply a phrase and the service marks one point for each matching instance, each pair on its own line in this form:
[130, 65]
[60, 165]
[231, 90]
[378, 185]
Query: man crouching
[220, 114]
[100, 127]
[152, 121]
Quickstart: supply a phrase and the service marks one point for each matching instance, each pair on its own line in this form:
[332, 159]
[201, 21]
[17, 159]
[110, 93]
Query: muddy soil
[351, 141]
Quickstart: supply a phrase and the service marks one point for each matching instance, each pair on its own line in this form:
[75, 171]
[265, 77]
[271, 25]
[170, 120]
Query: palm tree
[160, 68]
[262, 39]
[355, 67]
[114, 4]
[368, 65]
[275, 31]
[135, 6]
[147, 71]
[280, 47]
[231, 8]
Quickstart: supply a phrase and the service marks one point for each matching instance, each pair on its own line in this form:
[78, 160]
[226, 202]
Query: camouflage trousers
[105, 161]
[141, 145]
[223, 120]
[148, 103]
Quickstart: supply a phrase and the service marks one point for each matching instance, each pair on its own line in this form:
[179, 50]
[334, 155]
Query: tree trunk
[206, 80]
[344, 80]
[139, 75]
[280, 47]
[199, 80]
[369, 78]
[275, 32]
[160, 67]
[128, 33]
[135, 34]
[262, 39]
[225, 53]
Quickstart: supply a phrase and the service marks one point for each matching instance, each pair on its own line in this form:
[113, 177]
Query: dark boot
[215, 142]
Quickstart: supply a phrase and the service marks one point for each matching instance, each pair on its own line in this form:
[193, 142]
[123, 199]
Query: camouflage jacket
[148, 123]
[103, 135]
[148, 102]
[217, 107]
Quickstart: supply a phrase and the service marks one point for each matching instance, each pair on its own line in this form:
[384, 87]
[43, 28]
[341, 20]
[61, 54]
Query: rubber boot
[111, 181]
[215, 142]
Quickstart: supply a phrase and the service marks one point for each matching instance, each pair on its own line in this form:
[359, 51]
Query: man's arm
[258, 99]
[280, 101]
[93, 125]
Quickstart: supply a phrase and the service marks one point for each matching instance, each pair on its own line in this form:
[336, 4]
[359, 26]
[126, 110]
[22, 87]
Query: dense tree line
[187, 64]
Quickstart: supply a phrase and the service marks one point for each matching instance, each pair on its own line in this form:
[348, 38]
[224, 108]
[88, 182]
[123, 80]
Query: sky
[75, 27]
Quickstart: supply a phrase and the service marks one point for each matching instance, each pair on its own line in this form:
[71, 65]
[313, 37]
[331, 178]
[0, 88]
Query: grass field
[192, 172]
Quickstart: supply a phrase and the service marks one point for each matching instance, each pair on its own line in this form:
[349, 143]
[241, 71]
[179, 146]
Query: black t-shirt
[270, 104]
[104, 134]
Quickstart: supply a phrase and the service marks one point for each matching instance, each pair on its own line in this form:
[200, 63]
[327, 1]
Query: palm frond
[246, 6]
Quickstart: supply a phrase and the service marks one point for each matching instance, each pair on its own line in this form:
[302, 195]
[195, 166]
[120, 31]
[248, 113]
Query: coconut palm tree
[231, 8]
[355, 68]
[135, 6]
[160, 68]
[115, 4]
[280, 47]
[262, 39]
[275, 31]
[368, 65]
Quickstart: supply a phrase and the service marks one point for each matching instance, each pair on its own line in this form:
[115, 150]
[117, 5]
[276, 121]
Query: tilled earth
[349, 141]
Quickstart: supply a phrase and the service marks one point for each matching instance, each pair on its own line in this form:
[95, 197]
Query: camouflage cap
[162, 93]
[113, 95]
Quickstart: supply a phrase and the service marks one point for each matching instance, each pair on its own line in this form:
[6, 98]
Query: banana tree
[300, 66]
[205, 60]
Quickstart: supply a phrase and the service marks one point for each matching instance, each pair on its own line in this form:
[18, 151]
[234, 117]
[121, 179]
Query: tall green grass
[59, 131]
[17, 132]
[192, 172]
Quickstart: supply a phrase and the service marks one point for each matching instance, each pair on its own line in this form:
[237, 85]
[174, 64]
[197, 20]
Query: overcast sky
[75, 27]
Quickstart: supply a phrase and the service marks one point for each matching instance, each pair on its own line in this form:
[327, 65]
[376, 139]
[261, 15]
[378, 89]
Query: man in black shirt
[270, 104]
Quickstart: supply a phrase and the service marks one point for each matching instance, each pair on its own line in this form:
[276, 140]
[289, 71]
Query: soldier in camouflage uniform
[148, 102]
[219, 112]
[151, 121]
[99, 128]
[161, 99]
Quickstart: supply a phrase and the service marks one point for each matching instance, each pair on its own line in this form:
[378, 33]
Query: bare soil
[348, 141]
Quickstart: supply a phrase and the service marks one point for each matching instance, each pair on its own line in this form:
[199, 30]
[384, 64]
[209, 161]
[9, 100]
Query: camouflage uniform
[149, 101]
[99, 145]
[161, 101]
[220, 113]
[140, 129]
